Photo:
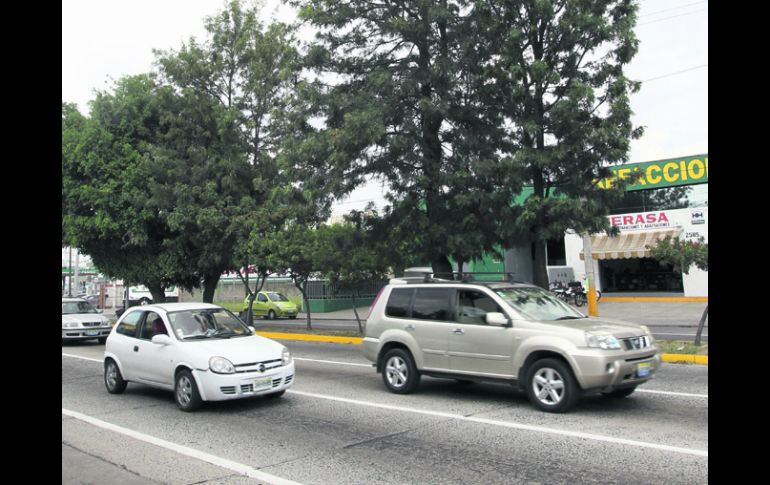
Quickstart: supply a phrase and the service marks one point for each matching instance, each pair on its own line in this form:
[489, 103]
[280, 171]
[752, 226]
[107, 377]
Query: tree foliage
[682, 254]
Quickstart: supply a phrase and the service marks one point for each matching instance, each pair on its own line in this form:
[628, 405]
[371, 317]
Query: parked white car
[200, 351]
[81, 321]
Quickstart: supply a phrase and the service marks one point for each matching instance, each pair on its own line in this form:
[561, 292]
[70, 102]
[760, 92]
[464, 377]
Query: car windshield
[537, 304]
[206, 323]
[277, 297]
[74, 307]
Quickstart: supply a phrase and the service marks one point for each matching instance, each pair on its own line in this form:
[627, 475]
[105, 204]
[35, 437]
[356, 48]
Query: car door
[261, 304]
[155, 362]
[431, 315]
[123, 342]
[474, 346]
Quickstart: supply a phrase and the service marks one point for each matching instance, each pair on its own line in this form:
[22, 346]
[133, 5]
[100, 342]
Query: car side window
[432, 304]
[261, 297]
[128, 326]
[152, 325]
[473, 306]
[398, 302]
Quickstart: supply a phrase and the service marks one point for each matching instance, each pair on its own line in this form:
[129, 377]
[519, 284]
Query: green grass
[682, 347]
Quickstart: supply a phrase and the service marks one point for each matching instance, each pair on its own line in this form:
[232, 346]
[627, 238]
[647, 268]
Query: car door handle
[459, 331]
[409, 327]
[136, 348]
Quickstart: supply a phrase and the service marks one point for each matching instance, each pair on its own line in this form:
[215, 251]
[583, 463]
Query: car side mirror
[162, 340]
[498, 319]
[253, 330]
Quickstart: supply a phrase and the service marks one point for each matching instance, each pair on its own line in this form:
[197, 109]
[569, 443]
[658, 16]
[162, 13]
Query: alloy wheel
[184, 391]
[396, 372]
[548, 386]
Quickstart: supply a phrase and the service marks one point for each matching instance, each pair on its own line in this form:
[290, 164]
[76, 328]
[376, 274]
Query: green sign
[663, 173]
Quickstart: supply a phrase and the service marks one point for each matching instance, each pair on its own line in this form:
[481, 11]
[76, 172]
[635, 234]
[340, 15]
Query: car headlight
[602, 341]
[220, 365]
[286, 356]
[69, 324]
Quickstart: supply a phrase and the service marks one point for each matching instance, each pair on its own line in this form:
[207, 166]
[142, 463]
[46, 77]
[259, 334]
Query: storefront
[623, 263]
[670, 198]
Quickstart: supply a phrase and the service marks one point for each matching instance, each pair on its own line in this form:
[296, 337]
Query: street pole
[77, 270]
[69, 293]
[593, 308]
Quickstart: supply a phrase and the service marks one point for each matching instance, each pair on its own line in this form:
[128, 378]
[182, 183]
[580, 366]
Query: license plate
[643, 369]
[262, 383]
[92, 332]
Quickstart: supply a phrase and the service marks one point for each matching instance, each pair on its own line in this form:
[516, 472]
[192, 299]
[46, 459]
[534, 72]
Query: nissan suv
[504, 332]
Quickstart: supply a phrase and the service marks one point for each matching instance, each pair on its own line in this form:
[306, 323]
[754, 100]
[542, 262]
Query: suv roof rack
[458, 277]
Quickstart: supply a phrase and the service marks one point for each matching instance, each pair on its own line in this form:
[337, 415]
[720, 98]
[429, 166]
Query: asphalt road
[338, 424]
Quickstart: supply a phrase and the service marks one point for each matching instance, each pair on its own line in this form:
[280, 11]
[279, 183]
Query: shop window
[557, 255]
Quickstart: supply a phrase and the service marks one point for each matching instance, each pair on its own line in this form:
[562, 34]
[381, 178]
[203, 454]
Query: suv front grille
[636, 343]
[91, 324]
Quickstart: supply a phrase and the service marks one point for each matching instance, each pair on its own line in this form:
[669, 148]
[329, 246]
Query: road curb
[685, 358]
[672, 358]
[690, 299]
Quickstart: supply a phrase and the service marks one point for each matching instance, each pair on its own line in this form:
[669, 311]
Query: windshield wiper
[569, 318]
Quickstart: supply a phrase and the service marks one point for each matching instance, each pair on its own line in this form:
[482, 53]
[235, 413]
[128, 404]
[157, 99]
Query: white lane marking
[334, 362]
[183, 450]
[669, 393]
[509, 424]
[81, 357]
[679, 334]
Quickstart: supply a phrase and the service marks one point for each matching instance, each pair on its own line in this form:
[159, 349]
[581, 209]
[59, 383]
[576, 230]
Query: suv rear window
[398, 302]
[432, 304]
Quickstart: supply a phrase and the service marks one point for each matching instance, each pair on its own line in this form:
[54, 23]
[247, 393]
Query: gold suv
[512, 333]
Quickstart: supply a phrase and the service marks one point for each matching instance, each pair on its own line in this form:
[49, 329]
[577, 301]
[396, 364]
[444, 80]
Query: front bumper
[605, 371]
[85, 333]
[222, 387]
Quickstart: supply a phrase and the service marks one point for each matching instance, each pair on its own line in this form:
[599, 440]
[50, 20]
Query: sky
[103, 40]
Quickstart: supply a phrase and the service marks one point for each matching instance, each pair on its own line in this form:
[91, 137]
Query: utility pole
[593, 308]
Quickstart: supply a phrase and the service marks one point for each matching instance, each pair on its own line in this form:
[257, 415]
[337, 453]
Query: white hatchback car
[200, 351]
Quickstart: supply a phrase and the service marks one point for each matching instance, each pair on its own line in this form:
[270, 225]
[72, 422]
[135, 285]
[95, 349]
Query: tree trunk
[306, 304]
[539, 271]
[701, 324]
[209, 287]
[442, 268]
[157, 292]
[460, 264]
[355, 311]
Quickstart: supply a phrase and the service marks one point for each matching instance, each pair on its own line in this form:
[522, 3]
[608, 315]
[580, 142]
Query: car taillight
[374, 302]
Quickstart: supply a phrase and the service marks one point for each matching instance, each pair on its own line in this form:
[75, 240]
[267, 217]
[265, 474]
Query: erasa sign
[662, 173]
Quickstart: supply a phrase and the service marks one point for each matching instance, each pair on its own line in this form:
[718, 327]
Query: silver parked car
[81, 321]
[513, 333]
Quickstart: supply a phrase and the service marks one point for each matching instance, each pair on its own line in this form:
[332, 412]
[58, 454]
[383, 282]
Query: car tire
[271, 315]
[186, 392]
[102, 340]
[399, 373]
[274, 395]
[619, 393]
[113, 379]
[293, 318]
[551, 386]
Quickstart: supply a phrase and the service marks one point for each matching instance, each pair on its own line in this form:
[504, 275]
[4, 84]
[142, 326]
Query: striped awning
[628, 244]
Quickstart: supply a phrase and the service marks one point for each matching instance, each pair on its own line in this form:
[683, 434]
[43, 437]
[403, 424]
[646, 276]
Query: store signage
[663, 173]
[643, 220]
[697, 217]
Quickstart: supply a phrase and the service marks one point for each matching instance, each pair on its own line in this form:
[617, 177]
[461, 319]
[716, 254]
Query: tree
[402, 108]
[560, 87]
[294, 251]
[350, 259]
[683, 255]
[109, 209]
